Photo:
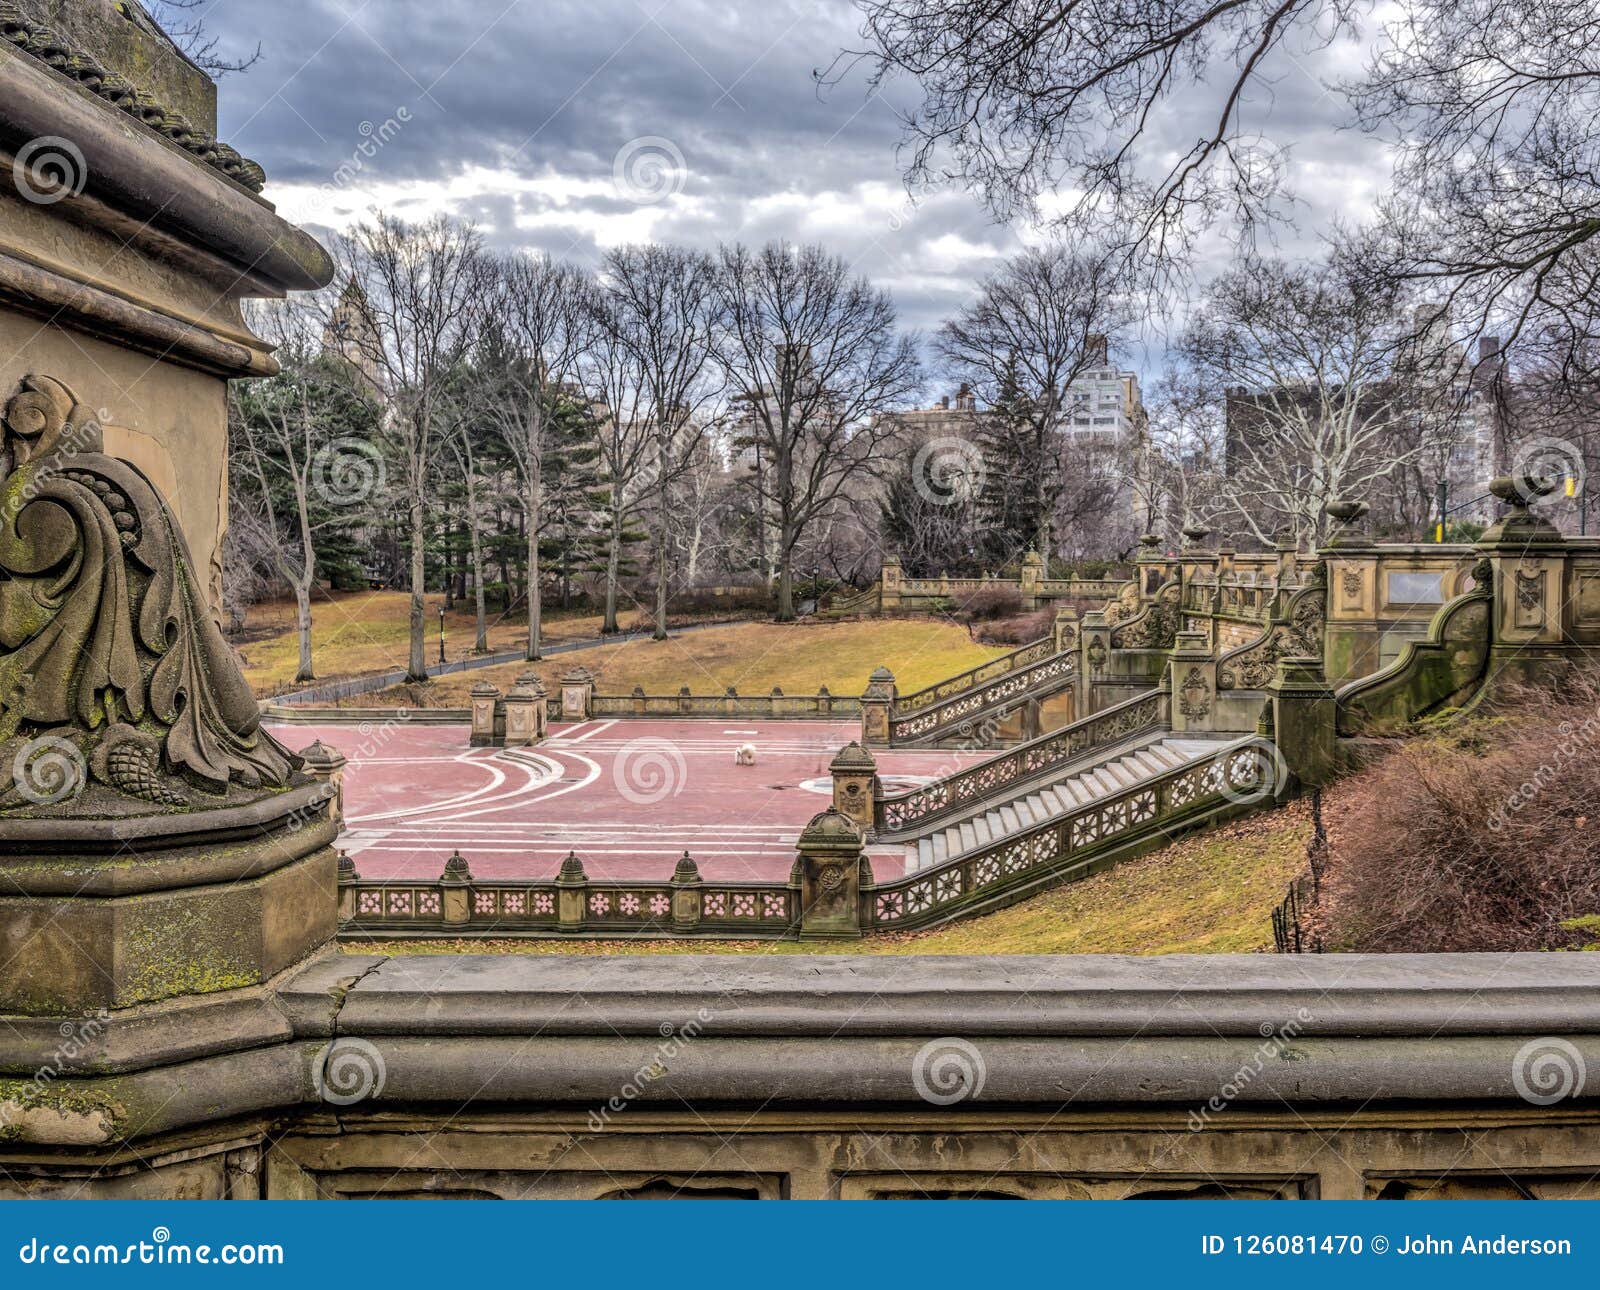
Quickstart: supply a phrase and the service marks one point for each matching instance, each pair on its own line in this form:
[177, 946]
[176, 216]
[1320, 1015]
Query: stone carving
[110, 654]
[1530, 590]
[1297, 636]
[1097, 653]
[1125, 606]
[1350, 580]
[1156, 627]
[1194, 696]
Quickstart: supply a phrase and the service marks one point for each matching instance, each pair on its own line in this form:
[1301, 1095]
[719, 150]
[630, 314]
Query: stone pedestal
[855, 786]
[831, 866]
[484, 697]
[577, 694]
[877, 705]
[525, 712]
[1303, 720]
[1194, 684]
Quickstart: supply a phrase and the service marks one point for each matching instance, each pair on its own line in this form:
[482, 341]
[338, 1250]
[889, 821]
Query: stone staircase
[1081, 785]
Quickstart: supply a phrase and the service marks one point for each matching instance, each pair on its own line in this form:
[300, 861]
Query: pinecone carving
[130, 762]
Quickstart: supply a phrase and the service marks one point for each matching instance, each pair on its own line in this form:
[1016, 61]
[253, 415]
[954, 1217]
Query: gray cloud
[513, 114]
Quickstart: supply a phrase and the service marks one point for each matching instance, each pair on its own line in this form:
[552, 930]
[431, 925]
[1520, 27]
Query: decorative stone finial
[115, 677]
[1195, 534]
[347, 868]
[686, 871]
[456, 869]
[852, 757]
[572, 870]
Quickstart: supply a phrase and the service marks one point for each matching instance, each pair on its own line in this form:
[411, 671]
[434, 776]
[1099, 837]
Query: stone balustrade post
[347, 879]
[855, 786]
[522, 702]
[455, 883]
[1032, 575]
[483, 699]
[830, 864]
[326, 765]
[572, 896]
[890, 578]
[1302, 721]
[877, 704]
[1527, 567]
[577, 695]
[686, 898]
[1194, 683]
[1065, 629]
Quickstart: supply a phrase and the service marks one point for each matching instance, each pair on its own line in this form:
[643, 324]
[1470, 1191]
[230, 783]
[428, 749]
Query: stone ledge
[1176, 995]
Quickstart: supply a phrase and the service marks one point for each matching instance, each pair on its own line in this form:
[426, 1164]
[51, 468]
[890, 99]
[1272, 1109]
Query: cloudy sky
[572, 127]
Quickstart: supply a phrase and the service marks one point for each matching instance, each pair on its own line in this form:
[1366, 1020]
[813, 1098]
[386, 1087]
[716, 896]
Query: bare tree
[1308, 353]
[1037, 325]
[421, 290]
[544, 313]
[293, 441]
[815, 356]
[661, 309]
[1491, 109]
[184, 23]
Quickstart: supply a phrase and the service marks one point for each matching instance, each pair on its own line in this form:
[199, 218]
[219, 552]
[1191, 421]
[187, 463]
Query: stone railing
[1239, 776]
[773, 706]
[961, 714]
[1444, 667]
[999, 777]
[1033, 652]
[457, 904]
[1296, 633]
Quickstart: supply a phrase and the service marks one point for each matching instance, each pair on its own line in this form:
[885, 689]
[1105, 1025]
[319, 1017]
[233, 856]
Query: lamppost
[441, 635]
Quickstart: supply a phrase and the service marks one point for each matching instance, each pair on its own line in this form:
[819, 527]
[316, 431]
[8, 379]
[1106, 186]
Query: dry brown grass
[751, 657]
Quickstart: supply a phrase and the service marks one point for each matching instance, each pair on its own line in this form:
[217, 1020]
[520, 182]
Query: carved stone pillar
[1194, 683]
[855, 786]
[877, 702]
[1527, 559]
[484, 696]
[831, 865]
[577, 694]
[1303, 720]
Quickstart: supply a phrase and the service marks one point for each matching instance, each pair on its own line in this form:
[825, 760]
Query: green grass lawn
[1212, 893]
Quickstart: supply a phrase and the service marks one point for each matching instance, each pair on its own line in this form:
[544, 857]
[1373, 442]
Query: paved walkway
[628, 796]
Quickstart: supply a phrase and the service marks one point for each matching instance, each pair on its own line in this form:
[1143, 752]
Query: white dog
[744, 755]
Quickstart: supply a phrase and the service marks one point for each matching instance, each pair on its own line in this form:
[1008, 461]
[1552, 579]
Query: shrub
[1021, 629]
[1485, 837]
[991, 603]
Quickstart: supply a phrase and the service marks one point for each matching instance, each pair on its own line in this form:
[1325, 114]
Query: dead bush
[1020, 629]
[1484, 837]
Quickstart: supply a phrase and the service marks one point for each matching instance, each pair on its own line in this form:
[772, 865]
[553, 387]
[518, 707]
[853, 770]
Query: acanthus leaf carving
[107, 646]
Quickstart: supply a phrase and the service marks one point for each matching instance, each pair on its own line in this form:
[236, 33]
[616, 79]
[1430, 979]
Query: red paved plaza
[628, 796]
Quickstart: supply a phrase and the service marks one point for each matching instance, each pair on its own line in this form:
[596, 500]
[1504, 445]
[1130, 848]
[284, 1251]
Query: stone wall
[1224, 1076]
